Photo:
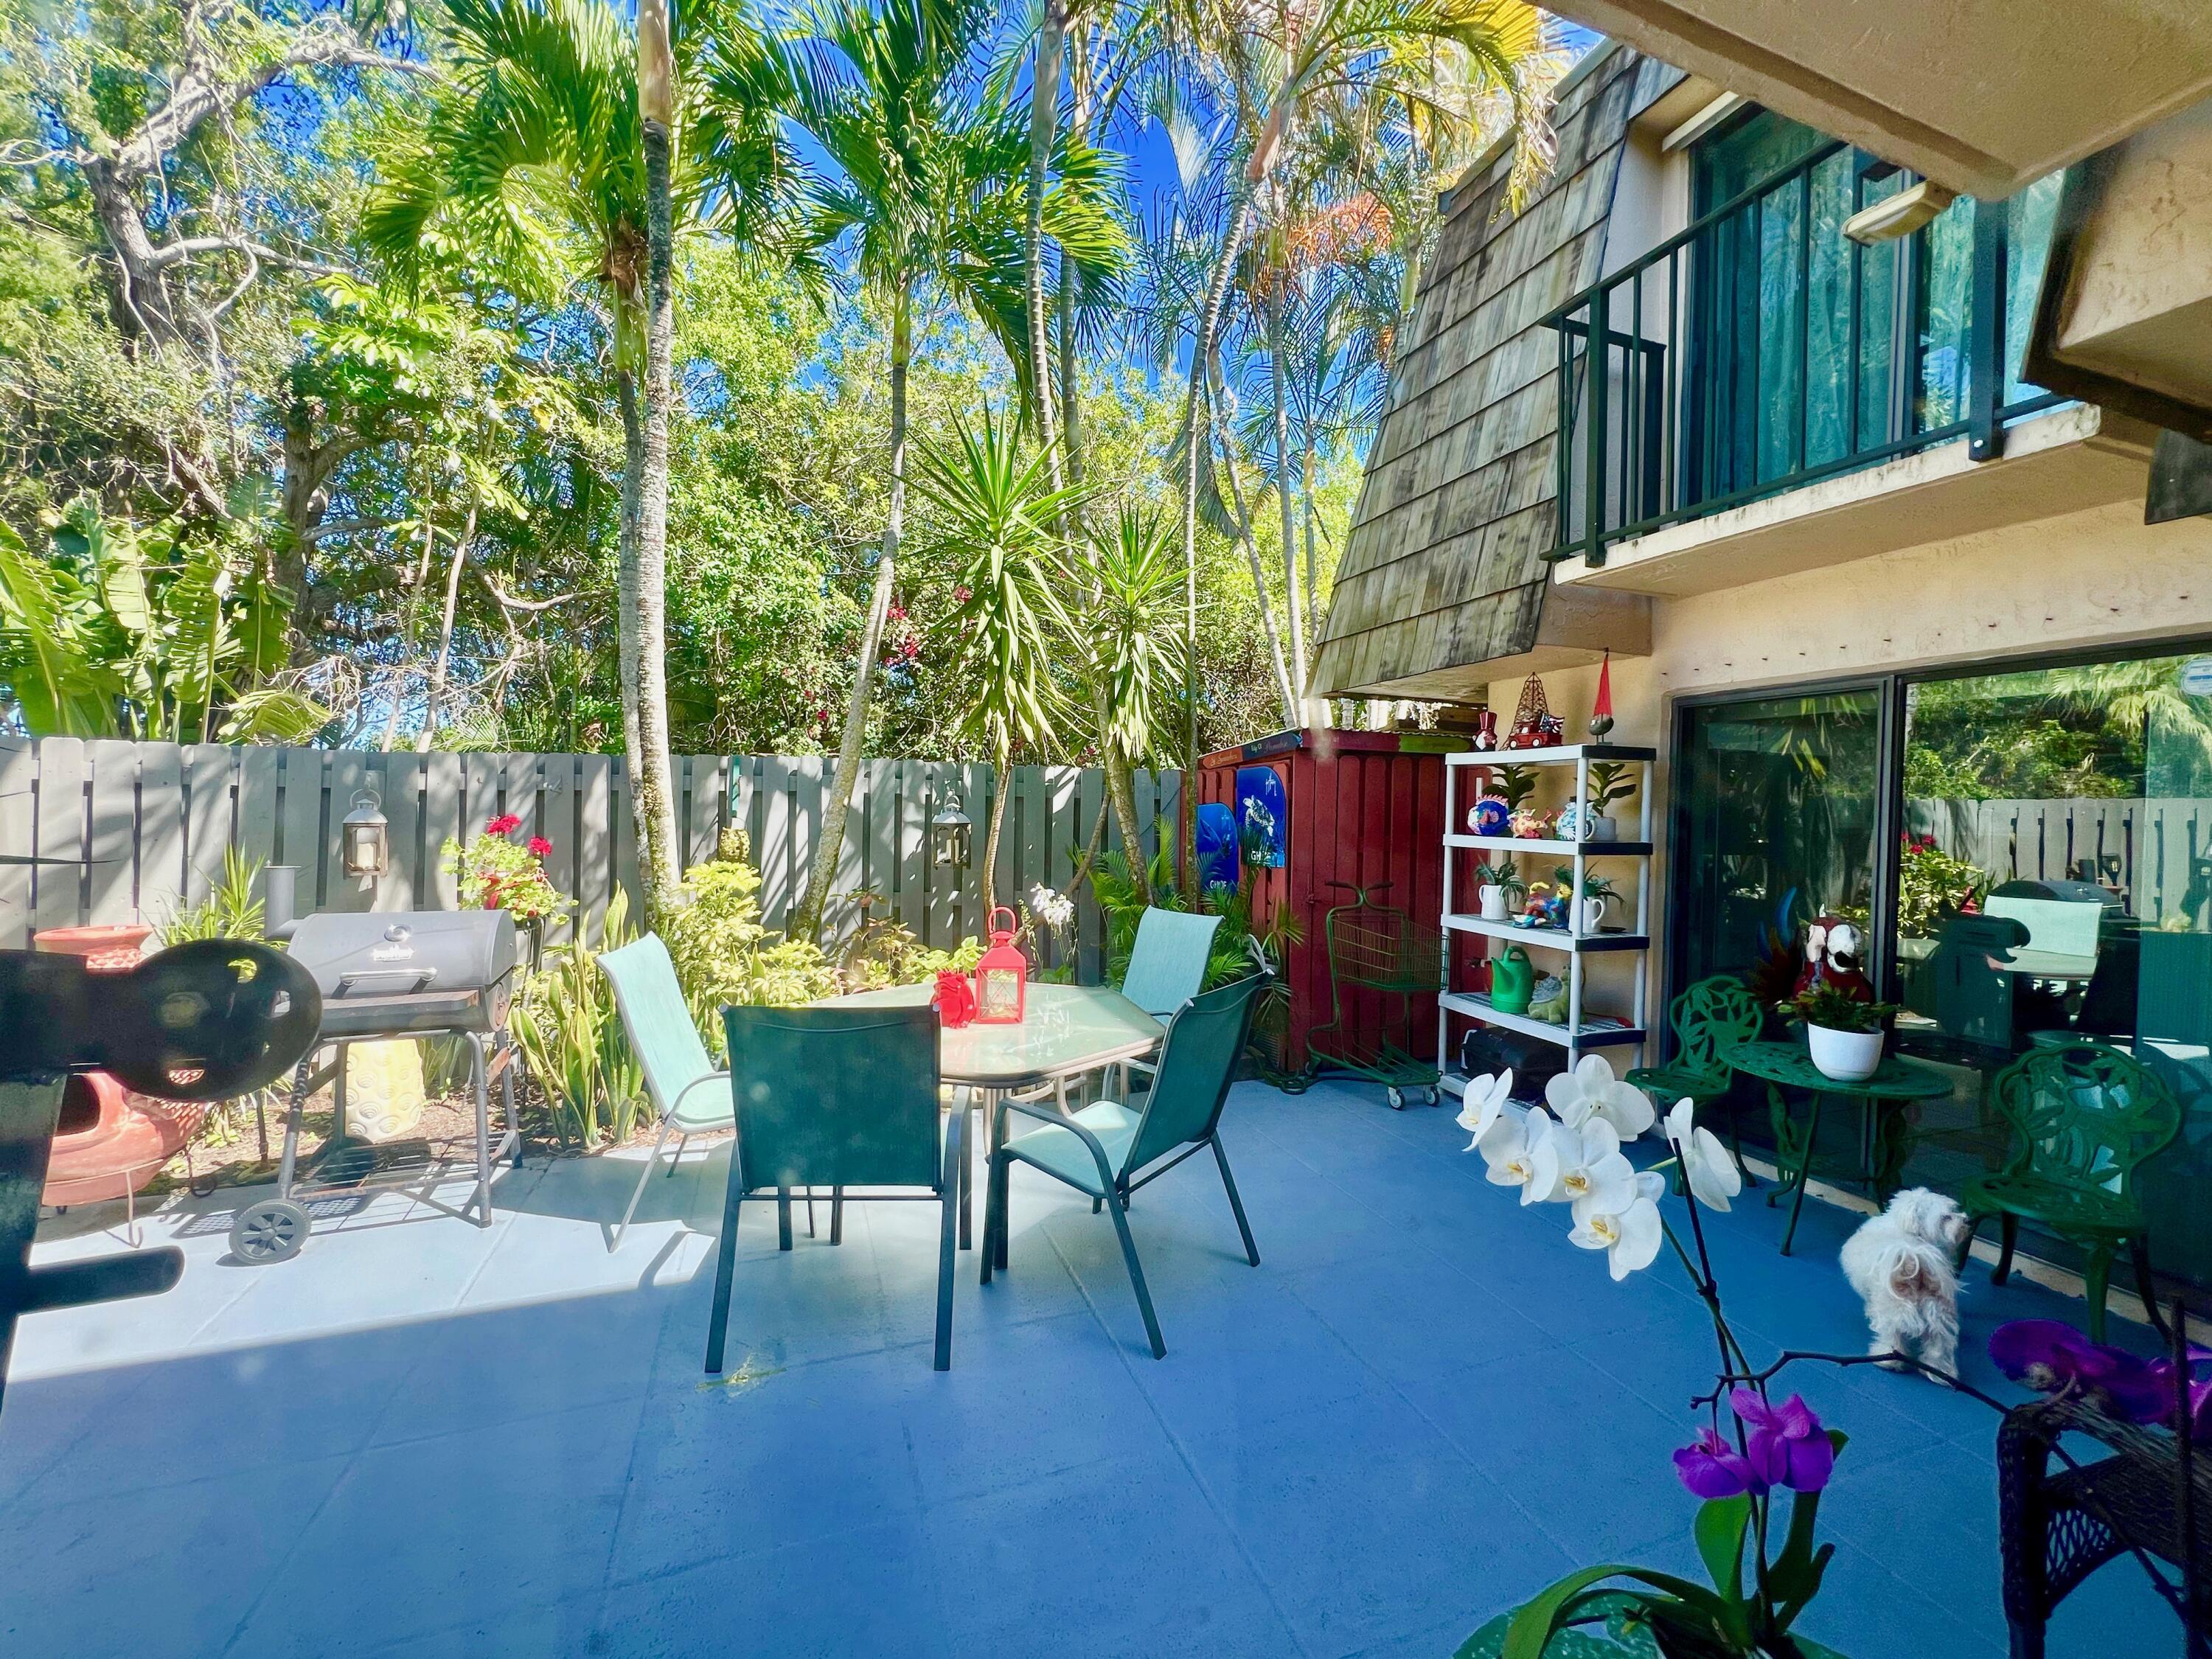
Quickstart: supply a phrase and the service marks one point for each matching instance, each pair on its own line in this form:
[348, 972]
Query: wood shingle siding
[1444, 567]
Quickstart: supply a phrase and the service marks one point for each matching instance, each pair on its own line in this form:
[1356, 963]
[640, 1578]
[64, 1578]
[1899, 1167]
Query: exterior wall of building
[2096, 578]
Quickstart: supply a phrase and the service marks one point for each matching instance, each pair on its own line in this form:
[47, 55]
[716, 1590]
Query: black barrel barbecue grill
[418, 974]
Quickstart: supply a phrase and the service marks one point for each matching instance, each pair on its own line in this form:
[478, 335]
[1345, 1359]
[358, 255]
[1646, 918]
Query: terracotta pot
[109, 950]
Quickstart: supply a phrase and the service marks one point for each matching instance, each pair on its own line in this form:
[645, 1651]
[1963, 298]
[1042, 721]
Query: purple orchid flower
[1713, 1468]
[2053, 1357]
[1787, 1447]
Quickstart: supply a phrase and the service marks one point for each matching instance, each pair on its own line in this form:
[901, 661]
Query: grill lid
[354, 956]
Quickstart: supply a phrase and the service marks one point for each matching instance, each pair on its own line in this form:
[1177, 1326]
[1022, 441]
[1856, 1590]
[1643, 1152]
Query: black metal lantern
[365, 845]
[949, 831]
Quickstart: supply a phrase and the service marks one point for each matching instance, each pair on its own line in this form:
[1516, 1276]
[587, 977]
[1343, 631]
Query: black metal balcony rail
[1760, 350]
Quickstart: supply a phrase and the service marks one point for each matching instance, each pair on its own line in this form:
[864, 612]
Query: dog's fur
[1902, 1265]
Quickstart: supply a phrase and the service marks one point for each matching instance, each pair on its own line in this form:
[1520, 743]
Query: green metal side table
[1885, 1136]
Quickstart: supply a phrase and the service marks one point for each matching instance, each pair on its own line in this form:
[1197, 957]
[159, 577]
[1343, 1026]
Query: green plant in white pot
[1610, 782]
[1842, 1035]
[1496, 885]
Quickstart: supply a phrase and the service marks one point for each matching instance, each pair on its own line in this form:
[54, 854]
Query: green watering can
[1513, 980]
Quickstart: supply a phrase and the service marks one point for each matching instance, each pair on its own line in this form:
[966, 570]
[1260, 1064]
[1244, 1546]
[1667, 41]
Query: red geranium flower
[539, 847]
[505, 823]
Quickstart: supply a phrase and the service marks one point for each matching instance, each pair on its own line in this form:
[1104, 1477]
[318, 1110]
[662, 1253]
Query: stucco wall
[2093, 578]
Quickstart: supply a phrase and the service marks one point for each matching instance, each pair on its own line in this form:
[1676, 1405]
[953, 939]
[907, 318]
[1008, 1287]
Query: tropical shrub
[1932, 886]
[565, 1022]
[725, 955]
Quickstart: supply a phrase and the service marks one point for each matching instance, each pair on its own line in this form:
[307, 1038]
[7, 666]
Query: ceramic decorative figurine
[1485, 730]
[1527, 823]
[1601, 709]
[1835, 954]
[1489, 817]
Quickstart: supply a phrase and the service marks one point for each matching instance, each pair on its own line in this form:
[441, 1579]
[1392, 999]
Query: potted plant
[1609, 781]
[1587, 914]
[1842, 1035]
[1495, 885]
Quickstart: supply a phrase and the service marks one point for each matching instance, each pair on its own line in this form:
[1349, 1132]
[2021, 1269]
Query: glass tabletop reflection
[1065, 1031]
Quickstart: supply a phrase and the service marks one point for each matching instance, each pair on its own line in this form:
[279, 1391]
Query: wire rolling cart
[1378, 947]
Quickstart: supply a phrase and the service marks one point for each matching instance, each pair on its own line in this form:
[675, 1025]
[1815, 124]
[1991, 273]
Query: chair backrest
[2066, 928]
[834, 1097]
[668, 1047]
[1167, 964]
[1710, 1019]
[2085, 1114]
[1199, 1057]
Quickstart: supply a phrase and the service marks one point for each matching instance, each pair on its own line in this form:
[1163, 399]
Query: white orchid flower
[1574, 1164]
[1508, 1147]
[1712, 1175]
[1629, 1233]
[1484, 1099]
[1592, 1091]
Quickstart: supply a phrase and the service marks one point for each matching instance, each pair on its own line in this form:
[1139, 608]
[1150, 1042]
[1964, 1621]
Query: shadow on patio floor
[424, 1437]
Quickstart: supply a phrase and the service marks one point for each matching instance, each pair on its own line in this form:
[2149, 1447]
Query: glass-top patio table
[1066, 1031]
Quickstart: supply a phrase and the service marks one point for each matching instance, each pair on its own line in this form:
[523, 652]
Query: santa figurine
[1835, 954]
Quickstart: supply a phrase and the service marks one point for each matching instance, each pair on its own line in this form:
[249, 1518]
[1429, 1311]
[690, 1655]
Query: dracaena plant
[1758, 1463]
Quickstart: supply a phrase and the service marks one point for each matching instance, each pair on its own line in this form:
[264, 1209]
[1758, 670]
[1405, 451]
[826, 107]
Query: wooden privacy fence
[143, 827]
[2147, 848]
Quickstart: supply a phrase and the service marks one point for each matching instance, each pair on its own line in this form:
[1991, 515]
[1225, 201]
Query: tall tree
[924, 185]
[645, 624]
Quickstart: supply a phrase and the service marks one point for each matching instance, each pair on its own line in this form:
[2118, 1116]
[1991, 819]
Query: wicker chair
[2056, 1525]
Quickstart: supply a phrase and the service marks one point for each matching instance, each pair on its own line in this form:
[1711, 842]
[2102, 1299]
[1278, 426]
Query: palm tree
[1451, 60]
[924, 185]
[534, 167]
[1001, 516]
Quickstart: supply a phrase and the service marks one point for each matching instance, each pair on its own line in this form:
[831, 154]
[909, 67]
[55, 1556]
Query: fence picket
[348, 777]
[19, 835]
[556, 821]
[300, 819]
[210, 814]
[442, 778]
[398, 783]
[60, 890]
[161, 879]
[114, 767]
[772, 855]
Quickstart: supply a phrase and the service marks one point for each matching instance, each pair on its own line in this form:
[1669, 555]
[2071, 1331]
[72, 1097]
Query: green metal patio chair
[1167, 967]
[2084, 1117]
[690, 1095]
[1108, 1150]
[1710, 1019]
[837, 1097]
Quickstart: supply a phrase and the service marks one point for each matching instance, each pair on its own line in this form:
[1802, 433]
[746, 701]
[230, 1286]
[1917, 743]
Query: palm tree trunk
[1225, 414]
[633, 495]
[1044, 114]
[838, 804]
[654, 782]
[999, 776]
[1306, 495]
[1294, 611]
[436, 693]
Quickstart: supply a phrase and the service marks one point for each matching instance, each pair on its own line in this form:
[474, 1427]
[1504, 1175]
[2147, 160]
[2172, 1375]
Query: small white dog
[1901, 1263]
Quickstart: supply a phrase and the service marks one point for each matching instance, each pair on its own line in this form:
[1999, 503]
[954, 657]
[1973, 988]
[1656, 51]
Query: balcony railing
[1761, 350]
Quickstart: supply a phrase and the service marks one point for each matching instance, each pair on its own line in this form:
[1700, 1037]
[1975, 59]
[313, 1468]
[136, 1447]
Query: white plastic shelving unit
[1584, 1031]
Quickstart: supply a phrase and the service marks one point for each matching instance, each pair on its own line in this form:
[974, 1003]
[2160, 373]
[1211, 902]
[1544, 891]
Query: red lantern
[1002, 975]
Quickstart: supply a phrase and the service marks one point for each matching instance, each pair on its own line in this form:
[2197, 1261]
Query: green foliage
[1830, 1006]
[725, 956]
[494, 871]
[1932, 887]
[230, 910]
[1611, 782]
[111, 633]
[570, 1033]
[1516, 784]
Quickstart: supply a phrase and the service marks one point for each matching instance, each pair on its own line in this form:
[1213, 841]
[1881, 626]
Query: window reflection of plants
[2099, 730]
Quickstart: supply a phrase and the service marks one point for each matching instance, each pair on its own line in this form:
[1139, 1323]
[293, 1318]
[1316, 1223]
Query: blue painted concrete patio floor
[429, 1439]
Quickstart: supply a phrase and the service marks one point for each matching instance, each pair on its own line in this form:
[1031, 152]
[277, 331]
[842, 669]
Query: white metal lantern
[949, 832]
[365, 844]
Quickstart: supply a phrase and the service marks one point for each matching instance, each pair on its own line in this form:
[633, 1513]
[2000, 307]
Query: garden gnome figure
[1600, 723]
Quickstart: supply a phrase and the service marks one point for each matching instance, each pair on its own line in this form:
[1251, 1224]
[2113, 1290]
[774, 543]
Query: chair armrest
[677, 1104]
[1062, 1120]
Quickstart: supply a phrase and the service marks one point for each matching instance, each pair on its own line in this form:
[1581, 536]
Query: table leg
[1804, 1173]
[995, 1184]
[967, 1183]
[1892, 1142]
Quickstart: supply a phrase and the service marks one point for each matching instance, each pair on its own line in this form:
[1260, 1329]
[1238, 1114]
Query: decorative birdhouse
[1002, 975]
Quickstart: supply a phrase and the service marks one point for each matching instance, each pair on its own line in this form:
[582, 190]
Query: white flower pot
[1596, 826]
[1493, 900]
[1846, 1056]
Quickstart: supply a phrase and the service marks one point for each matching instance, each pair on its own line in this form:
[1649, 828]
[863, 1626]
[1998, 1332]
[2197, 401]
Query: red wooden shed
[1363, 808]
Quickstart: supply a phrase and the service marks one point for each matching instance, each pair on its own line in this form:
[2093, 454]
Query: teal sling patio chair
[1109, 1150]
[2084, 1117]
[837, 1097]
[1710, 1017]
[1167, 966]
[691, 1096]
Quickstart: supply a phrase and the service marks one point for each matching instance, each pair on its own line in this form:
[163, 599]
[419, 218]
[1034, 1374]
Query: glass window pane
[2056, 887]
[1946, 302]
[2027, 232]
